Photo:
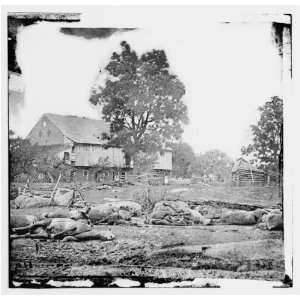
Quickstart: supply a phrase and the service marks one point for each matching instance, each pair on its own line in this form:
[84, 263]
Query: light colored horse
[61, 228]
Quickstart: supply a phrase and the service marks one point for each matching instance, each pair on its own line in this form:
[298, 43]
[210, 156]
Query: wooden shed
[244, 173]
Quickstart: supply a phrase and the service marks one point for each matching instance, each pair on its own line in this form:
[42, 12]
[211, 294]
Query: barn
[243, 173]
[77, 142]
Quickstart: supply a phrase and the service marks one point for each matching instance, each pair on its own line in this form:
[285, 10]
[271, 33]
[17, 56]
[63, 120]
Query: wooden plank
[54, 190]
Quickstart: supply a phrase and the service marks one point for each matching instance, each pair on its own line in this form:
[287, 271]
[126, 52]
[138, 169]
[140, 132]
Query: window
[48, 132]
[85, 173]
[123, 176]
[66, 156]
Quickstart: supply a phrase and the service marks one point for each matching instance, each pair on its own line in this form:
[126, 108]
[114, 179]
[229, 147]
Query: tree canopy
[266, 148]
[29, 160]
[21, 156]
[142, 101]
[213, 164]
[183, 158]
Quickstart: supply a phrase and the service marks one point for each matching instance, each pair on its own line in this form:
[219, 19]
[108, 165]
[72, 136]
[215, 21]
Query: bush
[13, 191]
[148, 196]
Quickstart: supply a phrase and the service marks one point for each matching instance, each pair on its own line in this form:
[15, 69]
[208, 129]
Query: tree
[183, 158]
[21, 156]
[266, 147]
[213, 164]
[142, 101]
[33, 160]
[144, 162]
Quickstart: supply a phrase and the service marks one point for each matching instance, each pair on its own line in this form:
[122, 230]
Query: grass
[265, 196]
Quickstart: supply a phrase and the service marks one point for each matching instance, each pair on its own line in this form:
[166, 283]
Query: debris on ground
[103, 187]
[235, 256]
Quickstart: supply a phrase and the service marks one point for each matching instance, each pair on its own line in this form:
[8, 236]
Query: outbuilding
[244, 173]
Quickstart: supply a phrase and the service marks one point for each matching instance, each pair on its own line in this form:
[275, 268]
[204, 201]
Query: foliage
[148, 196]
[183, 158]
[48, 165]
[21, 156]
[214, 165]
[28, 161]
[142, 101]
[266, 147]
[143, 162]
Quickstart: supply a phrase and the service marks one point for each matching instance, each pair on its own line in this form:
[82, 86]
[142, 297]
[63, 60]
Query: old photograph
[147, 155]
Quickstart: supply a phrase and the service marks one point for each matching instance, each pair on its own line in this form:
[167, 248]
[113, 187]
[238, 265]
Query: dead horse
[61, 228]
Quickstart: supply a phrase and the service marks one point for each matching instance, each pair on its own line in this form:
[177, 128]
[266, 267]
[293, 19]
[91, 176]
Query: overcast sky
[228, 71]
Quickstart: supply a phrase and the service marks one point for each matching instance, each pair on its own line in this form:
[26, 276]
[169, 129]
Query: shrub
[148, 196]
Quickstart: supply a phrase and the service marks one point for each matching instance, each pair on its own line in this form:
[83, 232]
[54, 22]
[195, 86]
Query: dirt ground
[155, 253]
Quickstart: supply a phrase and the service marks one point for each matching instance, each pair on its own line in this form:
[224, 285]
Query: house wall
[82, 174]
[89, 155]
[164, 161]
[107, 176]
[45, 133]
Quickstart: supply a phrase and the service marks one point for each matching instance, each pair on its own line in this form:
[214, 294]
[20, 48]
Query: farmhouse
[77, 141]
[243, 173]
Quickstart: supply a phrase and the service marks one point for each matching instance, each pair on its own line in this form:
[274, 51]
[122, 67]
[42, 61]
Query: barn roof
[243, 164]
[79, 129]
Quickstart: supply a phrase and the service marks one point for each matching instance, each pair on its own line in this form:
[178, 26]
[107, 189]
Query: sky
[229, 70]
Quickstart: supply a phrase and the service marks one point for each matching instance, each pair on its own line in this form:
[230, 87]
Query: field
[154, 253]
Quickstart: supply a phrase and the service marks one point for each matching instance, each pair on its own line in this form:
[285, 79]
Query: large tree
[266, 148]
[142, 101]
